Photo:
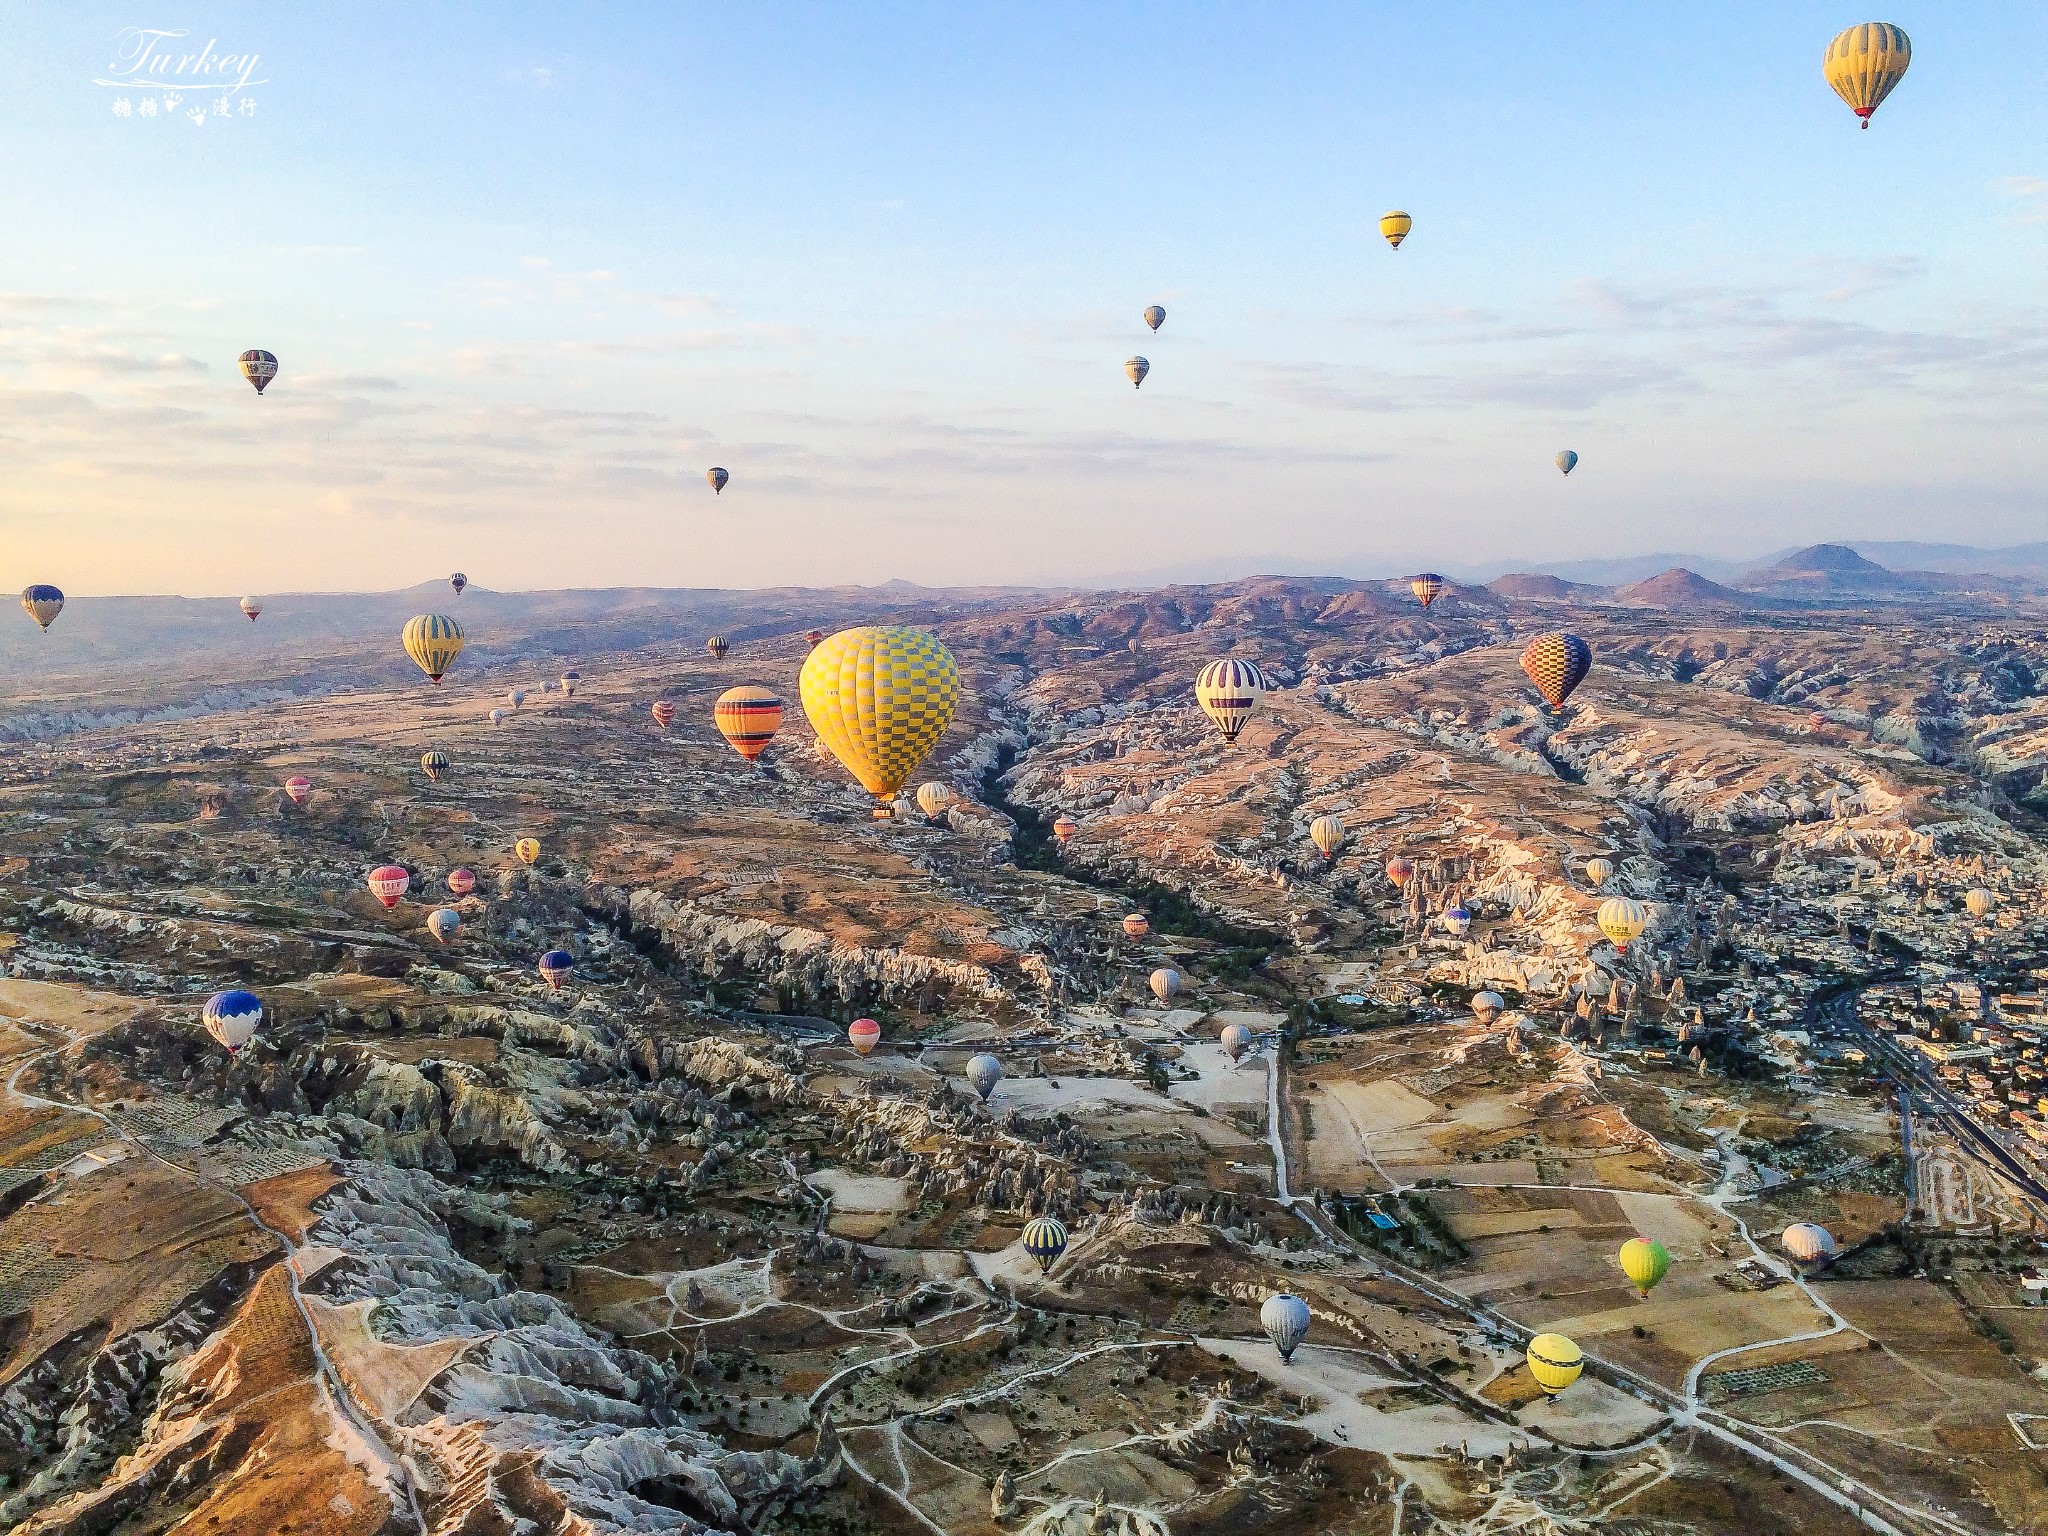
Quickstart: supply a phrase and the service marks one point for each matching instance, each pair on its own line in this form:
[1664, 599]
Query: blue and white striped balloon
[232, 1018]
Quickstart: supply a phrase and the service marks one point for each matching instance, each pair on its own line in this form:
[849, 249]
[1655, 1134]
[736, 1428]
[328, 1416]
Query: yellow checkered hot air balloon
[1865, 62]
[880, 697]
[433, 641]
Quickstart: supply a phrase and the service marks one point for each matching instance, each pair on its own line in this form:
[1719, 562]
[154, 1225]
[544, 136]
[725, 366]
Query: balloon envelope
[718, 478]
[1555, 1362]
[458, 581]
[1599, 870]
[1155, 316]
[433, 641]
[436, 764]
[1165, 983]
[528, 849]
[1426, 587]
[1327, 833]
[1228, 691]
[1286, 1318]
[880, 697]
[1557, 663]
[461, 881]
[933, 798]
[555, 966]
[1236, 1040]
[232, 1018]
[1457, 920]
[1487, 1006]
[1863, 63]
[1644, 1261]
[1622, 920]
[1400, 870]
[388, 882]
[664, 713]
[1135, 370]
[1064, 827]
[1808, 1242]
[1567, 461]
[1136, 925]
[1395, 226]
[259, 367]
[442, 923]
[1045, 1239]
[42, 602]
[1980, 902]
[718, 645]
[748, 718]
[863, 1035]
[251, 606]
[983, 1073]
[299, 788]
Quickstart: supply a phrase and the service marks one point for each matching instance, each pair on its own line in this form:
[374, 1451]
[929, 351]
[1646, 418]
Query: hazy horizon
[528, 277]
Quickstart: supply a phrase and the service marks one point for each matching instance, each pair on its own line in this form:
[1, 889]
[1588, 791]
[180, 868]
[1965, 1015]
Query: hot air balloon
[812, 637]
[1135, 370]
[528, 849]
[1487, 1006]
[1808, 1242]
[1327, 833]
[983, 1073]
[259, 367]
[1567, 461]
[1557, 663]
[1136, 925]
[1457, 919]
[748, 718]
[458, 581]
[717, 477]
[555, 966]
[1155, 316]
[1426, 587]
[232, 1018]
[1063, 828]
[516, 698]
[252, 606]
[42, 603]
[1599, 871]
[462, 881]
[496, 717]
[1235, 1040]
[388, 882]
[1864, 63]
[933, 798]
[1286, 1319]
[1165, 983]
[299, 788]
[863, 1035]
[436, 764]
[1622, 920]
[718, 645]
[664, 713]
[569, 682]
[880, 697]
[1980, 902]
[1555, 1362]
[1644, 1262]
[1400, 870]
[1395, 227]
[903, 808]
[1228, 691]
[1045, 1239]
[433, 641]
[442, 923]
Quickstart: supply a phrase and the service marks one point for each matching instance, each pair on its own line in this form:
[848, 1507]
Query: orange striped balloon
[748, 717]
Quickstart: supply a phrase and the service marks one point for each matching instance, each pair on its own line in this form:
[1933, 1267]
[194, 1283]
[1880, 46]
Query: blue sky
[531, 269]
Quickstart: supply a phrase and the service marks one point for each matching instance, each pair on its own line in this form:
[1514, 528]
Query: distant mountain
[1536, 586]
[1679, 588]
[1618, 570]
[1835, 572]
[1958, 559]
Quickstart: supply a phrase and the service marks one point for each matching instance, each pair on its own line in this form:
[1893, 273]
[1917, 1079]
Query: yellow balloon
[1644, 1261]
[528, 849]
[880, 697]
[1980, 902]
[433, 641]
[1622, 920]
[1395, 227]
[1327, 833]
[1598, 870]
[1555, 1362]
[1865, 62]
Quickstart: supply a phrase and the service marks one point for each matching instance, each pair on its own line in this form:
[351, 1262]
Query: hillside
[1680, 588]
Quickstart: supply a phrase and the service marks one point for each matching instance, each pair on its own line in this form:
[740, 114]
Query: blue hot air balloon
[232, 1018]
[1567, 461]
[554, 966]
